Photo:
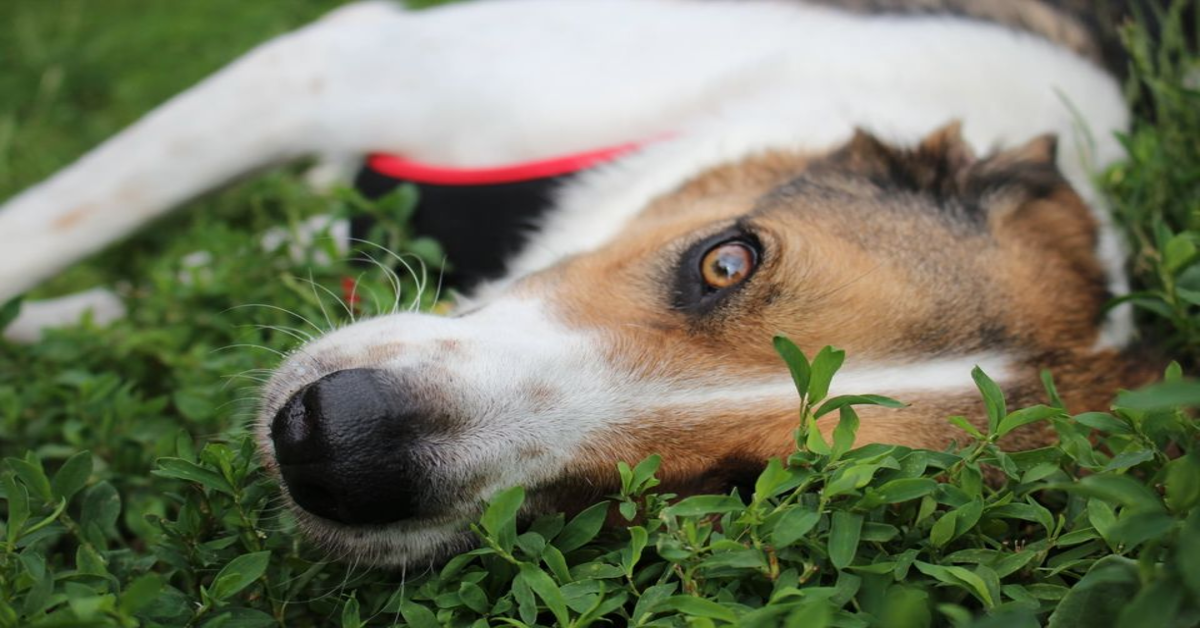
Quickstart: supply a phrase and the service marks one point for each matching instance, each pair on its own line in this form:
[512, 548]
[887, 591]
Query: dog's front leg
[251, 114]
[467, 85]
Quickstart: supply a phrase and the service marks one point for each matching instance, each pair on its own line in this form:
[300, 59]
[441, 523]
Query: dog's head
[389, 434]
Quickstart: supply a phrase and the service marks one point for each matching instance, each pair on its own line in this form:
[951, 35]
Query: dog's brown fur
[887, 253]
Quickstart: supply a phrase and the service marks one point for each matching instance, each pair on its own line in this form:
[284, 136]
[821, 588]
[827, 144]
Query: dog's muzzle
[346, 445]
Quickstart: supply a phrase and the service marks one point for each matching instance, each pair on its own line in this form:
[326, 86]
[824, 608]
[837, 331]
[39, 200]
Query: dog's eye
[714, 269]
[728, 264]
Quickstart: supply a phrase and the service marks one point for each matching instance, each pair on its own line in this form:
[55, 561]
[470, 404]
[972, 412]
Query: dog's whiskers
[419, 280]
[392, 277]
[281, 309]
[313, 285]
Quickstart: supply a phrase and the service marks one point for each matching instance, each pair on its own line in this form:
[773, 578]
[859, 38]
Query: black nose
[345, 447]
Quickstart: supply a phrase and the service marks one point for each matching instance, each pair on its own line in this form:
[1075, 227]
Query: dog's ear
[1025, 195]
[935, 166]
[945, 167]
[1009, 178]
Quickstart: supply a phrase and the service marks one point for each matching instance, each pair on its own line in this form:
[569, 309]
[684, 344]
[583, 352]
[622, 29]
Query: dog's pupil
[727, 264]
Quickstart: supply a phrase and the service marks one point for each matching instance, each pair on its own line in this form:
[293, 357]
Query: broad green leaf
[1136, 528]
[905, 607]
[1127, 459]
[632, 553]
[545, 587]
[965, 425]
[837, 403]
[18, 508]
[238, 574]
[812, 614]
[697, 607]
[903, 490]
[796, 362]
[140, 592]
[1119, 488]
[794, 523]
[993, 398]
[351, 617]
[1025, 416]
[879, 532]
[843, 434]
[698, 505]
[417, 616]
[31, 472]
[101, 507]
[626, 474]
[499, 520]
[748, 558]
[1186, 551]
[650, 599]
[1099, 597]
[185, 470]
[557, 564]
[582, 528]
[1165, 395]
[943, 529]
[644, 471]
[239, 617]
[532, 543]
[961, 577]
[1104, 422]
[527, 606]
[1051, 389]
[1183, 482]
[844, 530]
[827, 362]
[850, 479]
[968, 516]
[72, 475]
[473, 597]
[814, 441]
[1157, 604]
[772, 476]
[1102, 515]
[1179, 251]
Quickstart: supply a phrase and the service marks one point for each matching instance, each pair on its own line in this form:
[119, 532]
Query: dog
[908, 180]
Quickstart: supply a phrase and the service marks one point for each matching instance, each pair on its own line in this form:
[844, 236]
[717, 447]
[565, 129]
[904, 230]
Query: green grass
[133, 496]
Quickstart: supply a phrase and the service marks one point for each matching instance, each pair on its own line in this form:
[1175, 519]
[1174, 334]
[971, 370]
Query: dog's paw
[35, 317]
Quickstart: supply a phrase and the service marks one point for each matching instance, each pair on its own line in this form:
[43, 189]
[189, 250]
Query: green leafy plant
[132, 495]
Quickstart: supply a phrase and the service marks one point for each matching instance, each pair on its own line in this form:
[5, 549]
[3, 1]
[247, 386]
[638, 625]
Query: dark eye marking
[714, 268]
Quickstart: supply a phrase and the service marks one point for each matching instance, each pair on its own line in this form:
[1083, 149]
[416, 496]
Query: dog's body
[638, 317]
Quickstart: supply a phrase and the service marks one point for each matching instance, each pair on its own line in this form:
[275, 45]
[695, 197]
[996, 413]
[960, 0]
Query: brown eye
[727, 264]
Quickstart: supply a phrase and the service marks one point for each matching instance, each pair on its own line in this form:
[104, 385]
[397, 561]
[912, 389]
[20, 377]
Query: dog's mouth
[390, 435]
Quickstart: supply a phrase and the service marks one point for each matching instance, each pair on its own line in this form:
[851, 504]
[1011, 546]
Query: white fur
[37, 316]
[512, 438]
[728, 78]
[893, 378]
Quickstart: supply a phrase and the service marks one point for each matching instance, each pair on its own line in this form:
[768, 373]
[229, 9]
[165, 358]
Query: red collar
[399, 167]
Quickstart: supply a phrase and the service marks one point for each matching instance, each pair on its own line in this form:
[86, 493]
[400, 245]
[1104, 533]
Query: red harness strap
[399, 167]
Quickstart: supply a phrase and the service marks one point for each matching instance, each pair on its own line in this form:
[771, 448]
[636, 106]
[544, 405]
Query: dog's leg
[466, 85]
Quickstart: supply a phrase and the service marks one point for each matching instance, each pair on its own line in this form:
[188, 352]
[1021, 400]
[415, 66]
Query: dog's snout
[345, 446]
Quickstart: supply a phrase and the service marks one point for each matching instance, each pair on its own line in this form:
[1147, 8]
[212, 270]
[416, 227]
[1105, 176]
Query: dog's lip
[453, 514]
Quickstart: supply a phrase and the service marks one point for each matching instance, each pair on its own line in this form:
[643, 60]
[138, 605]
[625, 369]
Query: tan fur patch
[894, 255]
[72, 218]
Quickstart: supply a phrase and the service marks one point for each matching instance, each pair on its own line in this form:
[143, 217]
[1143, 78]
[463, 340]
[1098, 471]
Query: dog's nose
[344, 445]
